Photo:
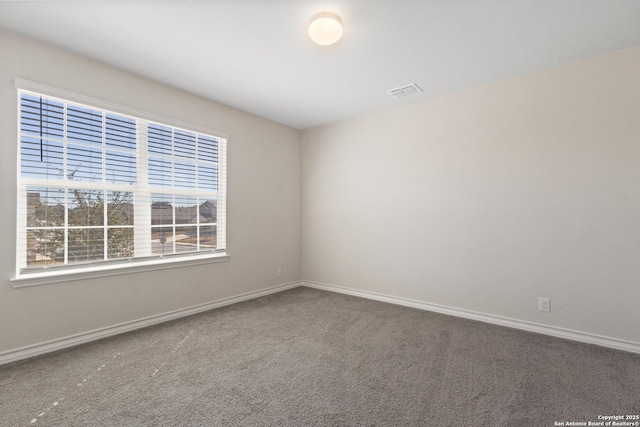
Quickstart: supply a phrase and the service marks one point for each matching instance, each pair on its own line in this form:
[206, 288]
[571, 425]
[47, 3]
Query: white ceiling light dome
[325, 28]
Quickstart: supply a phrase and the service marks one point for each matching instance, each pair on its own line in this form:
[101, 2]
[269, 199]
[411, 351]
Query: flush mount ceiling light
[325, 28]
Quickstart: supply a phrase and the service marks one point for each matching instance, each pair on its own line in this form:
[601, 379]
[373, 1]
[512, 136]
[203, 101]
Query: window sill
[49, 277]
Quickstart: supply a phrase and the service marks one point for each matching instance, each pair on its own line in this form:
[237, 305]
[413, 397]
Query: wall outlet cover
[544, 304]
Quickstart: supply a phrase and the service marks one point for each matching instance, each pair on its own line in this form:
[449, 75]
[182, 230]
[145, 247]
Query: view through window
[97, 186]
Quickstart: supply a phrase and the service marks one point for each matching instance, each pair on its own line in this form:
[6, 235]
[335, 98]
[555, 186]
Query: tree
[44, 246]
[85, 224]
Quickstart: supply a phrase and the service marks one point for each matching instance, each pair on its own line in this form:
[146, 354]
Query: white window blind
[96, 186]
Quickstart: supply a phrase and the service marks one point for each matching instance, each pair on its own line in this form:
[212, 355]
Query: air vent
[405, 91]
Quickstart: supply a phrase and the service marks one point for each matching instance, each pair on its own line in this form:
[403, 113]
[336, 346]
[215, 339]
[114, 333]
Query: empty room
[320, 213]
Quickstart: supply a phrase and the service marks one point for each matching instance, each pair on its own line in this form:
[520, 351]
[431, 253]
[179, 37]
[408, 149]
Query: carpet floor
[307, 357]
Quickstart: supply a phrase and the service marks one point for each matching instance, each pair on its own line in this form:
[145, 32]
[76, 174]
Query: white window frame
[136, 264]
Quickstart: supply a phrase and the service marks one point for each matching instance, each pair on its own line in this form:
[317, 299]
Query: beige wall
[482, 200]
[487, 199]
[263, 205]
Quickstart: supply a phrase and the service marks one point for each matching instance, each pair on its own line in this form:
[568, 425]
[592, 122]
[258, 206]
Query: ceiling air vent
[404, 91]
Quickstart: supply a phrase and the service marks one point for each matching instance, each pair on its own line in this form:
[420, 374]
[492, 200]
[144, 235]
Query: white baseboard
[554, 331]
[85, 337]
[59, 344]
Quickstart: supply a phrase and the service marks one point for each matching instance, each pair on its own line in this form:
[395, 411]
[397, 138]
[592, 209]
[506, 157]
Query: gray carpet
[306, 357]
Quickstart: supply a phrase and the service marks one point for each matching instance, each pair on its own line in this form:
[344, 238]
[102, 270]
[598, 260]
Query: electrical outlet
[279, 272]
[544, 304]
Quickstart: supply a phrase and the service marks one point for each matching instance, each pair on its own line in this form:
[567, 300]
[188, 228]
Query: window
[96, 187]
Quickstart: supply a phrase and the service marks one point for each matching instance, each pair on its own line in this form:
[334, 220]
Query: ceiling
[255, 55]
